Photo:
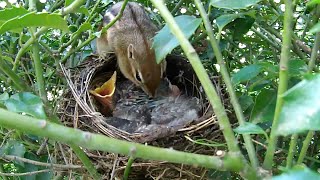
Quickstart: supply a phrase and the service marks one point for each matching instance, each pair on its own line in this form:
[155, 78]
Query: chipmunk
[130, 39]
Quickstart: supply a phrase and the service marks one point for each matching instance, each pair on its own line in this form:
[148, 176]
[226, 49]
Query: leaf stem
[39, 71]
[225, 75]
[283, 81]
[128, 168]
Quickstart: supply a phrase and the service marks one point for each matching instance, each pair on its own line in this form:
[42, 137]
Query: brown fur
[131, 35]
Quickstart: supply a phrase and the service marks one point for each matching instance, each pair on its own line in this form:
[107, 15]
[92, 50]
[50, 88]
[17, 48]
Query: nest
[79, 109]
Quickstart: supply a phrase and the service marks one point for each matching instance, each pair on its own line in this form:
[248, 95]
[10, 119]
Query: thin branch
[37, 163]
[93, 141]
[226, 77]
[25, 174]
[283, 81]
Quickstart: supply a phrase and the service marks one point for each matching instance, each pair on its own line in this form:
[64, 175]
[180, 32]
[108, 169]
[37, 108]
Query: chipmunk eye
[138, 78]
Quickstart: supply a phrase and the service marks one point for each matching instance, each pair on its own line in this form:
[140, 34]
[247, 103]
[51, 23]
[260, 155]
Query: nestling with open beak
[130, 38]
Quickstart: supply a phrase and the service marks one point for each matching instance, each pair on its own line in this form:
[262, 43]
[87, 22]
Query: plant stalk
[283, 82]
[225, 75]
[202, 75]
[91, 141]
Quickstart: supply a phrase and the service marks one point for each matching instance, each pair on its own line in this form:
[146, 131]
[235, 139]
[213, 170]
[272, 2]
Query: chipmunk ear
[130, 52]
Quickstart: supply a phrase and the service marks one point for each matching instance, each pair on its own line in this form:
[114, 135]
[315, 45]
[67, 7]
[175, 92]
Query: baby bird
[130, 39]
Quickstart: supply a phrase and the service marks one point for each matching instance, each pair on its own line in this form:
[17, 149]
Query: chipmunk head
[145, 71]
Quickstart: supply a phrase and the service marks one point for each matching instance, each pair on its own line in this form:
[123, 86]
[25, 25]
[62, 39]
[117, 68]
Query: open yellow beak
[105, 93]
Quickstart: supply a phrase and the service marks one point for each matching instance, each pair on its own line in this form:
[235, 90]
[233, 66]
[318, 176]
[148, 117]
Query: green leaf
[233, 4]
[301, 107]
[249, 128]
[164, 42]
[313, 2]
[264, 106]
[82, 28]
[246, 73]
[30, 167]
[83, 10]
[297, 67]
[28, 103]
[11, 13]
[315, 28]
[225, 19]
[3, 98]
[68, 2]
[34, 19]
[245, 102]
[297, 174]
[16, 148]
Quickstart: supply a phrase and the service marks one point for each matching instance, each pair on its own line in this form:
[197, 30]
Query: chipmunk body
[130, 39]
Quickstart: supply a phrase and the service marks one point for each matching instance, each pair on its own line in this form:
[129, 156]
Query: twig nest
[116, 107]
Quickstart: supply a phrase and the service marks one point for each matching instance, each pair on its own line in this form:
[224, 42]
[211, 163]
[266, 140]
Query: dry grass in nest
[78, 109]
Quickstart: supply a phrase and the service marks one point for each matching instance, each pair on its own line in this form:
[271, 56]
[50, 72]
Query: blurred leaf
[246, 73]
[68, 2]
[83, 10]
[264, 106]
[315, 28]
[249, 128]
[34, 19]
[233, 4]
[164, 42]
[3, 98]
[30, 167]
[218, 175]
[245, 102]
[27, 103]
[301, 107]
[10, 13]
[16, 148]
[241, 26]
[298, 174]
[225, 19]
[297, 67]
[82, 28]
[313, 2]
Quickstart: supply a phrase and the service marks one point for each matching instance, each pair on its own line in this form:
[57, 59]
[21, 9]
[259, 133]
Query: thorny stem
[225, 75]
[283, 81]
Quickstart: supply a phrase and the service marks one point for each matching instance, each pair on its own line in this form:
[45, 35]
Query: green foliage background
[35, 37]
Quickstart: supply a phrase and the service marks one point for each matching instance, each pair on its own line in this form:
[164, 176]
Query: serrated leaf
[249, 128]
[34, 19]
[233, 4]
[28, 103]
[297, 174]
[164, 42]
[246, 73]
[264, 106]
[301, 107]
